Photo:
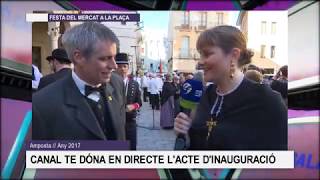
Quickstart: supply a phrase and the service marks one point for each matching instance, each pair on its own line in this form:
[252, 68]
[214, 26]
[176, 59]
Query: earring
[232, 70]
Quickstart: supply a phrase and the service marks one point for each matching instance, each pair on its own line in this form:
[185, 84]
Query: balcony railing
[183, 27]
[202, 27]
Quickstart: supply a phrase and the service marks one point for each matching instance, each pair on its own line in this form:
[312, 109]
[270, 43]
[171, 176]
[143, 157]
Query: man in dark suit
[133, 97]
[89, 103]
[61, 66]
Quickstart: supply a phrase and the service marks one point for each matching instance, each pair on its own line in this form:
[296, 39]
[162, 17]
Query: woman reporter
[234, 113]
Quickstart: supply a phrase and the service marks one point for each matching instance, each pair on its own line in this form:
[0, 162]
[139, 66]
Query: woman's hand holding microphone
[182, 124]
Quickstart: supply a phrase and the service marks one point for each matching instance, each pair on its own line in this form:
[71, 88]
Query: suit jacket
[61, 112]
[48, 79]
[133, 95]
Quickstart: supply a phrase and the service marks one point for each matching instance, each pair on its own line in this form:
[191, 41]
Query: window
[203, 19]
[263, 27]
[273, 49]
[186, 18]
[273, 27]
[263, 51]
[184, 51]
[220, 18]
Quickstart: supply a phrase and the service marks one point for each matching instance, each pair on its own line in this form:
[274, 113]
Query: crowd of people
[91, 95]
[163, 91]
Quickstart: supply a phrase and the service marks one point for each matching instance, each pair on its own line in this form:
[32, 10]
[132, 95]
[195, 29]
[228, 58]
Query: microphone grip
[181, 141]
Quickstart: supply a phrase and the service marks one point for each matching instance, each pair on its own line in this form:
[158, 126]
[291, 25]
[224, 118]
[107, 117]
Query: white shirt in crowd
[144, 81]
[125, 81]
[153, 87]
[159, 83]
[148, 83]
[37, 77]
[138, 79]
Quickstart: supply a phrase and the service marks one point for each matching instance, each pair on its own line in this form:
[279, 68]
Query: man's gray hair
[199, 75]
[85, 36]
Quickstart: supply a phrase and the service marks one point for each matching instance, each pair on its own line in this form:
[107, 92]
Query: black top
[102, 113]
[253, 117]
[168, 90]
[61, 112]
[48, 79]
[280, 86]
[133, 95]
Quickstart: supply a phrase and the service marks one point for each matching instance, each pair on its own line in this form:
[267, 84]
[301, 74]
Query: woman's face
[216, 64]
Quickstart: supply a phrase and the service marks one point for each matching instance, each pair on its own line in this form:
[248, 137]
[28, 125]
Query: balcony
[202, 27]
[184, 27]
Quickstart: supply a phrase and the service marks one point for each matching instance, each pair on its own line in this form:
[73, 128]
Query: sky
[155, 20]
[233, 16]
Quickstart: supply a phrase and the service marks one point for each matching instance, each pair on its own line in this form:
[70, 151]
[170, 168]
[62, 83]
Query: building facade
[46, 36]
[267, 36]
[183, 32]
[153, 51]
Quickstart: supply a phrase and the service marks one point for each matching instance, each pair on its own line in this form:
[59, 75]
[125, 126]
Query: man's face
[123, 69]
[97, 68]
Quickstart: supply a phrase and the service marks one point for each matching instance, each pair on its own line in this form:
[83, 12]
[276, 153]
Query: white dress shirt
[125, 81]
[159, 83]
[138, 79]
[153, 86]
[144, 80]
[37, 77]
[95, 96]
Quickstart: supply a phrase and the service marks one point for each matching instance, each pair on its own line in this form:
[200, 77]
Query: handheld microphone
[190, 93]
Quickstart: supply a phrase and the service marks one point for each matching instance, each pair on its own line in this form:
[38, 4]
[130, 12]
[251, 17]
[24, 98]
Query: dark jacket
[280, 86]
[168, 90]
[48, 79]
[133, 95]
[253, 117]
[61, 112]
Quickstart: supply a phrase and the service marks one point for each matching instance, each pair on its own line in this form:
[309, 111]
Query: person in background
[144, 85]
[60, 65]
[189, 76]
[36, 76]
[138, 79]
[198, 75]
[181, 78]
[89, 104]
[154, 92]
[167, 103]
[176, 85]
[280, 83]
[133, 98]
[159, 83]
[148, 89]
[234, 113]
[282, 74]
[253, 67]
[254, 75]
